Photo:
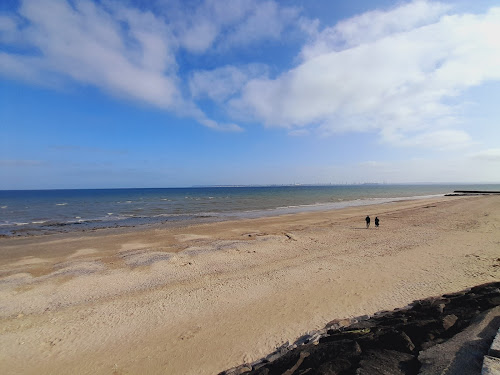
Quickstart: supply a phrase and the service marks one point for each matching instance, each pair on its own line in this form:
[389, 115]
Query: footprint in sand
[189, 334]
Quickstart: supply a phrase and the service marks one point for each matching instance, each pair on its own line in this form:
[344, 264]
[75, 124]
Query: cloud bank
[398, 72]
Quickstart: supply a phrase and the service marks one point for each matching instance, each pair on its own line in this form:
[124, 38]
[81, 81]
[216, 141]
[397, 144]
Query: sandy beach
[200, 299]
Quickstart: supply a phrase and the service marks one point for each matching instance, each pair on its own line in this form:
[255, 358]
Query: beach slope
[204, 298]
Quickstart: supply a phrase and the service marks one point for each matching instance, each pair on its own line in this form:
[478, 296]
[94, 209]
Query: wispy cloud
[128, 52]
[265, 21]
[87, 43]
[372, 26]
[212, 24]
[221, 83]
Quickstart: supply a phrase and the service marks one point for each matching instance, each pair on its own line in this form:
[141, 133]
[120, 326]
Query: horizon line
[264, 185]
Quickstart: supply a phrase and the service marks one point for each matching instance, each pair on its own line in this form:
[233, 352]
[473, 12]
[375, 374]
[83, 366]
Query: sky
[176, 93]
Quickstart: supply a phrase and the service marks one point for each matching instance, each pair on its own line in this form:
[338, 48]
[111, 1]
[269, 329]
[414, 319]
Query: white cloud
[87, 44]
[202, 25]
[221, 83]
[492, 154]
[298, 132]
[132, 53]
[446, 139]
[372, 26]
[398, 75]
[265, 21]
[8, 27]
[199, 37]
[398, 72]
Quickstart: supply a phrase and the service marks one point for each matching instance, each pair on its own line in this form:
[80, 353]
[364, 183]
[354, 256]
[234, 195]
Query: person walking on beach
[376, 222]
[367, 219]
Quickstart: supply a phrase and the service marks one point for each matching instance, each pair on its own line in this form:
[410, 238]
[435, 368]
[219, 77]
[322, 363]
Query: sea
[33, 212]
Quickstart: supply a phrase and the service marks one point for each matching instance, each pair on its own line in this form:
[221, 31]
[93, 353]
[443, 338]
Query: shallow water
[46, 211]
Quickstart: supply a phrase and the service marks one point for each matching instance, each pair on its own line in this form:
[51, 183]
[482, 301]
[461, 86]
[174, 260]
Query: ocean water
[27, 212]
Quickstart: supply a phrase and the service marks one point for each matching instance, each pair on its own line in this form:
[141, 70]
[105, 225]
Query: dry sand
[204, 298]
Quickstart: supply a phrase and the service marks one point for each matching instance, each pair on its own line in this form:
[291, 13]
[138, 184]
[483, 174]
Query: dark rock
[397, 340]
[354, 334]
[420, 331]
[333, 367]
[338, 355]
[494, 301]
[387, 362]
[263, 371]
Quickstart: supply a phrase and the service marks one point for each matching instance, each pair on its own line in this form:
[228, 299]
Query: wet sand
[204, 298]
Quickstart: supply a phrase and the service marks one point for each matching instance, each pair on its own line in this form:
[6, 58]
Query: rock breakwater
[387, 343]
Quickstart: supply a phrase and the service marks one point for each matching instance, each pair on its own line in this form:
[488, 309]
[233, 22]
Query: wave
[324, 206]
[85, 216]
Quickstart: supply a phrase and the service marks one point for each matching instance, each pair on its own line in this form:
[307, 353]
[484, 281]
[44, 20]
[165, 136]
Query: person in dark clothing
[367, 222]
[376, 222]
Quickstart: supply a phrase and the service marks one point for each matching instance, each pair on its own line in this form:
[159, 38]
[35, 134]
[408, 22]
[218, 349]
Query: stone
[258, 365]
[440, 308]
[244, 369]
[463, 353]
[238, 370]
[494, 301]
[282, 350]
[314, 338]
[449, 321]
[491, 366]
[294, 368]
[387, 362]
[338, 323]
[397, 341]
[495, 346]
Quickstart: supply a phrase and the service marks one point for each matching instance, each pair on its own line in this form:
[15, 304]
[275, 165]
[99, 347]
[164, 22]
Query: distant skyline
[173, 93]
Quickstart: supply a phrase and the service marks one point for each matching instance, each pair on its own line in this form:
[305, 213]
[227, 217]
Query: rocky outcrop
[386, 343]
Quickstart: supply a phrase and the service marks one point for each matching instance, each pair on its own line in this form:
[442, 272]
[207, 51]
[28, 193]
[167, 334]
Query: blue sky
[169, 93]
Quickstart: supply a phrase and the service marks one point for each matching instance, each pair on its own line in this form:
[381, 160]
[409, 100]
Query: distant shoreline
[477, 191]
[471, 192]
